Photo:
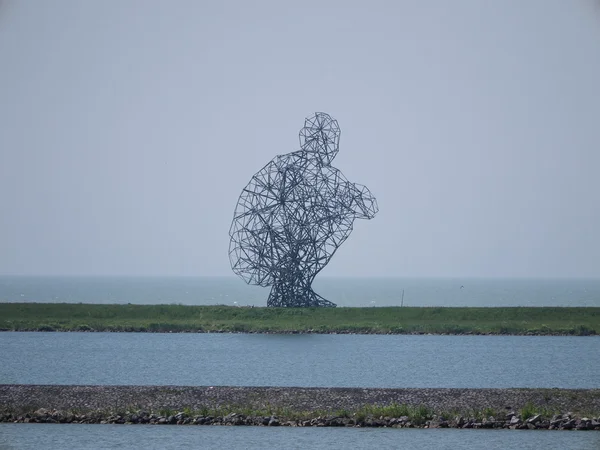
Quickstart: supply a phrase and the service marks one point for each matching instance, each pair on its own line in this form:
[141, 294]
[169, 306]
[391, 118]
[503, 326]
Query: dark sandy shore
[467, 408]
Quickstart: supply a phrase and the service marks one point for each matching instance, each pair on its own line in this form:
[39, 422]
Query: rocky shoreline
[126, 329]
[510, 421]
[561, 409]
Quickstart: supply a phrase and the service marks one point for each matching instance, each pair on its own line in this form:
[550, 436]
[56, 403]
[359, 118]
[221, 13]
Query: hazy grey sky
[128, 129]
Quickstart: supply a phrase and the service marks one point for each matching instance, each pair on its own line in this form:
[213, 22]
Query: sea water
[343, 291]
[98, 437]
[300, 360]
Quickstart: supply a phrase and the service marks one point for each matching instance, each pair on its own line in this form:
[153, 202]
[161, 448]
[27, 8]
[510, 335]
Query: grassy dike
[580, 321]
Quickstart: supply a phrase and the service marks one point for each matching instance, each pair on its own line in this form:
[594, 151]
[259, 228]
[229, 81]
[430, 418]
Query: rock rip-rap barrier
[281, 406]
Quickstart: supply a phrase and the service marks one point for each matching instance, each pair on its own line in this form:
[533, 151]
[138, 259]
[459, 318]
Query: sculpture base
[283, 296]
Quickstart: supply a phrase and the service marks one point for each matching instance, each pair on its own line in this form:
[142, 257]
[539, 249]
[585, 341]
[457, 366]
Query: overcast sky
[128, 129]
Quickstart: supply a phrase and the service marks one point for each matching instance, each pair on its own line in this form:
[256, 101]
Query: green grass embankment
[381, 320]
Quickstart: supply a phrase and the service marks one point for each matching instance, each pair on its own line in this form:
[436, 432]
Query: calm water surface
[343, 291]
[87, 437]
[300, 360]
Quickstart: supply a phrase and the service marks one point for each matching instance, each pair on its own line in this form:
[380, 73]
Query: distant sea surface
[343, 291]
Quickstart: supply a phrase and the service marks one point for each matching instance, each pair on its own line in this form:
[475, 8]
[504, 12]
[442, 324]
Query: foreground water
[343, 291]
[300, 360]
[84, 437]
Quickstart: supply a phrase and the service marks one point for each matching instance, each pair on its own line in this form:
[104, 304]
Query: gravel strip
[90, 398]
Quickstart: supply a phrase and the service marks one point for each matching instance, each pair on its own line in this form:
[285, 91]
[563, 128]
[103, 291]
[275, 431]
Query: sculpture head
[321, 136]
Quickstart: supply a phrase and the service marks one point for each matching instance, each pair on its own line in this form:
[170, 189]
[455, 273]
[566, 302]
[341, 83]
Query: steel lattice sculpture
[294, 214]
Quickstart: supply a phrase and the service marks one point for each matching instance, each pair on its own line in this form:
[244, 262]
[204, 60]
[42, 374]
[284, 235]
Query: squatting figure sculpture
[294, 214]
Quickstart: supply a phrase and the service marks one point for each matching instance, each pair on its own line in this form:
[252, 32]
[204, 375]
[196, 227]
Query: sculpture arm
[363, 203]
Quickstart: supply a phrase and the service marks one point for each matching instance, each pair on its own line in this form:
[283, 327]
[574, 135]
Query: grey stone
[274, 422]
